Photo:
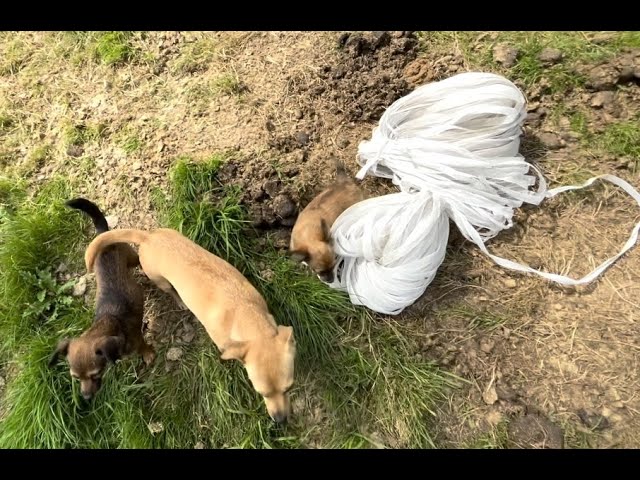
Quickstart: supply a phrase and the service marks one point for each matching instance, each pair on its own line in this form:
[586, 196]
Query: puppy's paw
[148, 355]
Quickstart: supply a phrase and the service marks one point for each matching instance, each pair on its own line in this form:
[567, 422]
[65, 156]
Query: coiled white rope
[452, 147]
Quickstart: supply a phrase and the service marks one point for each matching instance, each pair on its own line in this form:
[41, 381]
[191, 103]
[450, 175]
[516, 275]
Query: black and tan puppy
[117, 326]
[311, 239]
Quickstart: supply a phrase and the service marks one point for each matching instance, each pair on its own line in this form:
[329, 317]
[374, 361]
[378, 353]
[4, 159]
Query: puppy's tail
[92, 210]
[109, 238]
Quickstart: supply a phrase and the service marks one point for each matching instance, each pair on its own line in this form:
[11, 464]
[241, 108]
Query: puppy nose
[326, 277]
[87, 395]
[279, 417]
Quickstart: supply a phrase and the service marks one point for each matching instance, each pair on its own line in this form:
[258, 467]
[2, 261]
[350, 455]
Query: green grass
[621, 139]
[113, 47]
[108, 48]
[201, 94]
[13, 56]
[482, 319]
[360, 372]
[229, 84]
[35, 235]
[496, 438]
[131, 144]
[195, 56]
[561, 77]
[6, 122]
[81, 134]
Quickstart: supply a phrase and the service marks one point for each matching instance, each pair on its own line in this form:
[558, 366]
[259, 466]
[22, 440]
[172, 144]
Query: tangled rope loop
[452, 148]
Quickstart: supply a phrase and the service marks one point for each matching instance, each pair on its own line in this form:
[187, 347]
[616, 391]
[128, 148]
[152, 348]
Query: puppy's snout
[326, 276]
[87, 395]
[280, 417]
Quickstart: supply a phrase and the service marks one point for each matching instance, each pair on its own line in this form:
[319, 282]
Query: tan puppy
[117, 328]
[311, 239]
[232, 311]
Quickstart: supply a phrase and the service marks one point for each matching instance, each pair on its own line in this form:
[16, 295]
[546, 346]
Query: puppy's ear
[326, 231]
[234, 351]
[286, 333]
[110, 348]
[61, 349]
[299, 255]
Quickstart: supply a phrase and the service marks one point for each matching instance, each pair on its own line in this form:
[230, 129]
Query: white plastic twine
[452, 147]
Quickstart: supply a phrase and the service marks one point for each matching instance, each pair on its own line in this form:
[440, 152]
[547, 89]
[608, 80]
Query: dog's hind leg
[147, 351]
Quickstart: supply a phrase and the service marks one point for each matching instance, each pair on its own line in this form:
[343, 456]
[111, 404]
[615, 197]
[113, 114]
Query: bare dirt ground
[544, 365]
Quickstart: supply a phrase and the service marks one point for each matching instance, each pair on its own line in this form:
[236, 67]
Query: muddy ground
[544, 366]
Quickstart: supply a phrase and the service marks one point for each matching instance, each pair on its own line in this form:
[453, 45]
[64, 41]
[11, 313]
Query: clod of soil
[534, 431]
[550, 55]
[505, 54]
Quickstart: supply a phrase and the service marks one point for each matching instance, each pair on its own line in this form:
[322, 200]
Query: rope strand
[452, 148]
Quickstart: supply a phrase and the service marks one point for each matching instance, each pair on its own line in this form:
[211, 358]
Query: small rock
[339, 72]
[283, 206]
[342, 39]
[487, 345]
[606, 412]
[505, 392]
[80, 287]
[592, 420]
[291, 171]
[271, 187]
[493, 418]
[636, 73]
[407, 44]
[112, 221]
[269, 125]
[381, 39]
[550, 140]
[299, 114]
[174, 354]
[490, 396]
[602, 77]
[550, 55]
[189, 334]
[61, 268]
[533, 118]
[510, 283]
[136, 166]
[302, 138]
[75, 150]
[602, 99]
[155, 427]
[160, 147]
[602, 38]
[199, 446]
[288, 222]
[616, 418]
[267, 274]
[342, 143]
[505, 54]
[534, 431]
[281, 239]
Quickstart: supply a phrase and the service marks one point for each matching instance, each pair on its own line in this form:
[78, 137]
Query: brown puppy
[232, 311]
[117, 327]
[311, 239]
